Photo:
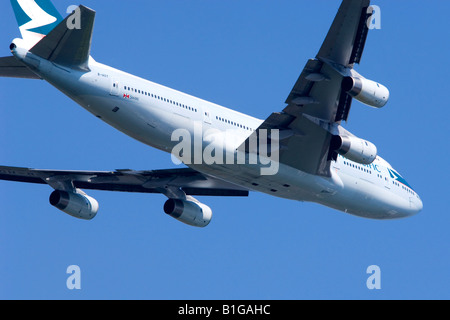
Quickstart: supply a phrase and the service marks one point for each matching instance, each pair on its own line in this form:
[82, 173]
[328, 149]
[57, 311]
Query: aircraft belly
[135, 121]
[288, 183]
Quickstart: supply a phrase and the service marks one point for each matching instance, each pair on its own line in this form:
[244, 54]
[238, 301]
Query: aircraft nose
[419, 205]
[416, 206]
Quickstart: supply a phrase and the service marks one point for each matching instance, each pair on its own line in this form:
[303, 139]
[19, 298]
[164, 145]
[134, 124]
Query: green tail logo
[35, 16]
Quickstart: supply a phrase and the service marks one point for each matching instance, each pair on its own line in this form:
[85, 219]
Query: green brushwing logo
[41, 15]
[399, 178]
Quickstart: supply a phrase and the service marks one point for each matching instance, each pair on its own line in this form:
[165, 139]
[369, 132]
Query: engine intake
[77, 205]
[354, 149]
[192, 213]
[366, 91]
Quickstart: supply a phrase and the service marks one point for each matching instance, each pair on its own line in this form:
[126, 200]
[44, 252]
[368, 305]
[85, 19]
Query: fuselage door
[206, 116]
[115, 88]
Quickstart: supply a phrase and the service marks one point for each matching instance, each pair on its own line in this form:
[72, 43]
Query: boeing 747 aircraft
[299, 153]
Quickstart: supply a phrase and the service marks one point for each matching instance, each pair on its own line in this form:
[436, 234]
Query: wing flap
[311, 145]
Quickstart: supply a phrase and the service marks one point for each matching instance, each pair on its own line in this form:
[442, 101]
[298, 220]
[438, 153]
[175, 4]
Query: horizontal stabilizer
[69, 43]
[12, 68]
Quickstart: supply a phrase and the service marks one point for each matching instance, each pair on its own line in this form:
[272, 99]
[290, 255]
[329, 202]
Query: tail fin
[36, 18]
[69, 45]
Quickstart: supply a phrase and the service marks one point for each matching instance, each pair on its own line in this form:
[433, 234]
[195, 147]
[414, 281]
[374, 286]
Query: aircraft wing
[172, 182]
[316, 103]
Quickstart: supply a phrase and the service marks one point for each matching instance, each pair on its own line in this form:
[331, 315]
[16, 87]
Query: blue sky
[245, 55]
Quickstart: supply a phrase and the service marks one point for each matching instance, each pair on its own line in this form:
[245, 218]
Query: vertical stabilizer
[69, 45]
[36, 18]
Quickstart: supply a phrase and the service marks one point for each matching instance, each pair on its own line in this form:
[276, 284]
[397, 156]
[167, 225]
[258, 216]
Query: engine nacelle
[354, 149]
[77, 205]
[366, 91]
[192, 213]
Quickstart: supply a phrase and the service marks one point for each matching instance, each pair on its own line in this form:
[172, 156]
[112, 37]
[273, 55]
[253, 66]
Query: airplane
[300, 153]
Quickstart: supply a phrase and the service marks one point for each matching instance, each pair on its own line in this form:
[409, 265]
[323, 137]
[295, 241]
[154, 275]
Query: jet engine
[354, 149]
[192, 213]
[77, 205]
[366, 91]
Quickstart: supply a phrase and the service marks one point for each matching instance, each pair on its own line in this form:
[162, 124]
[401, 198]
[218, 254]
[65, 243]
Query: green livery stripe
[21, 16]
[47, 6]
[399, 178]
[45, 29]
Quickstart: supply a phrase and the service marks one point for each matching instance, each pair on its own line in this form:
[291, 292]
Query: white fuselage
[150, 113]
